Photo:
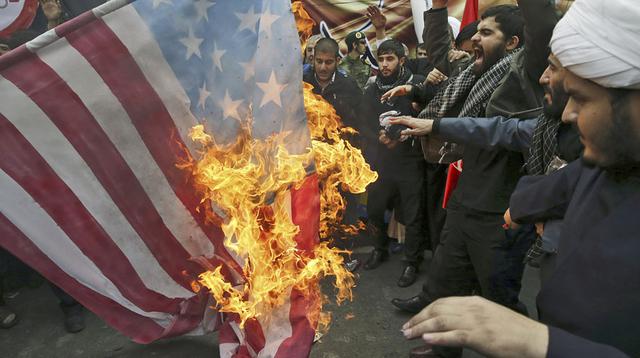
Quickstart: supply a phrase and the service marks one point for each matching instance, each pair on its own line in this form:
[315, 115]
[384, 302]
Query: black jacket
[342, 93]
[591, 302]
[381, 158]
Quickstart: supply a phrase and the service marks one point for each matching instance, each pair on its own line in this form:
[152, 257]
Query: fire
[249, 182]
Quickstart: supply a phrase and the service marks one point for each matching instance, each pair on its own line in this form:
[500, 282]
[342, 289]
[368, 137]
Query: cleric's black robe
[591, 302]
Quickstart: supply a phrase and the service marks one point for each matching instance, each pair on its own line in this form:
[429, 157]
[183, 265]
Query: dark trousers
[408, 185]
[435, 181]
[477, 255]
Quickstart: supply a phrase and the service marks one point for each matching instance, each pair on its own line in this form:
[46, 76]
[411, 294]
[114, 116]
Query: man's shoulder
[346, 60]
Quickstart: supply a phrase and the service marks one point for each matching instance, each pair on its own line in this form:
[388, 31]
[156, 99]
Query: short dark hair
[509, 19]
[467, 33]
[422, 46]
[391, 46]
[327, 45]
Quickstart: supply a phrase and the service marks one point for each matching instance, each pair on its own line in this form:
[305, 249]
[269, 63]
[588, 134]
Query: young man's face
[308, 53]
[421, 53]
[389, 63]
[324, 65]
[490, 45]
[4, 48]
[609, 125]
[555, 98]
[467, 46]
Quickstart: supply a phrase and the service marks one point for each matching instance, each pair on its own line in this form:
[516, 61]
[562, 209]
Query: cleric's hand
[419, 126]
[481, 325]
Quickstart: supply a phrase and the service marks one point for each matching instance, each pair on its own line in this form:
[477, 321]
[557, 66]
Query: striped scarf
[475, 93]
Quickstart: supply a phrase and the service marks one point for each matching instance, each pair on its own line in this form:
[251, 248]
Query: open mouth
[479, 54]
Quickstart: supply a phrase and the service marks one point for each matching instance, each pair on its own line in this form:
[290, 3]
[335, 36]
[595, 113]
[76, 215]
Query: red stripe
[66, 110]
[305, 212]
[25, 165]
[140, 329]
[113, 62]
[302, 334]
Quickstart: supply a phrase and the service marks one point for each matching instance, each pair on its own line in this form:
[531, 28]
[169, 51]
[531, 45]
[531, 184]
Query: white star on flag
[230, 107]
[192, 43]
[272, 90]
[204, 94]
[248, 20]
[266, 20]
[216, 56]
[202, 7]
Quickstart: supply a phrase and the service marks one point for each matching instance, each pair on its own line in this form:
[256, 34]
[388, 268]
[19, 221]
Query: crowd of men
[544, 112]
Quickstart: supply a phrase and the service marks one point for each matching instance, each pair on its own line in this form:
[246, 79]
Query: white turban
[599, 40]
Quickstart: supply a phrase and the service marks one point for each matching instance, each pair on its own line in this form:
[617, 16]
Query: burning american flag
[126, 135]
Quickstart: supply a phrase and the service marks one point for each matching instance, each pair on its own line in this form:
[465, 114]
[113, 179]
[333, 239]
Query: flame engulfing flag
[95, 117]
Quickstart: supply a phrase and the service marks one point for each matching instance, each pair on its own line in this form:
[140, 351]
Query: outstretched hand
[418, 126]
[481, 325]
[377, 18]
[398, 91]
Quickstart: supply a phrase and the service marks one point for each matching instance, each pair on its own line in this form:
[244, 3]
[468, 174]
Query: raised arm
[498, 132]
[436, 36]
[538, 198]
[539, 18]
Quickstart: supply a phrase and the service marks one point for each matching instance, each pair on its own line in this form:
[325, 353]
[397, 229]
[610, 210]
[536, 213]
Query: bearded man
[590, 304]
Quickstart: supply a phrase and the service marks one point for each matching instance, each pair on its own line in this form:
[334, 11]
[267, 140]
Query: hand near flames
[418, 126]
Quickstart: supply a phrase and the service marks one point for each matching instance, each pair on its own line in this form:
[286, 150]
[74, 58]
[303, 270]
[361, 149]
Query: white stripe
[276, 328]
[25, 213]
[147, 53]
[149, 58]
[228, 350]
[52, 145]
[116, 123]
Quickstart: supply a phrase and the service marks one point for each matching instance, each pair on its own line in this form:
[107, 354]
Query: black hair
[391, 46]
[422, 46]
[509, 19]
[467, 32]
[327, 45]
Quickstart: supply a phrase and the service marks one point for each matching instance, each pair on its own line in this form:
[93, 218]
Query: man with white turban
[590, 306]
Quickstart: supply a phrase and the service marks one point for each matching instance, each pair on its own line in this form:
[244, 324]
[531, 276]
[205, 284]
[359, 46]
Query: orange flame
[249, 182]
